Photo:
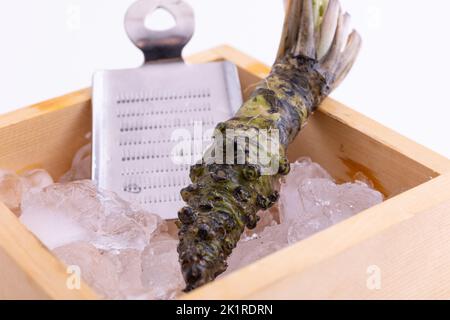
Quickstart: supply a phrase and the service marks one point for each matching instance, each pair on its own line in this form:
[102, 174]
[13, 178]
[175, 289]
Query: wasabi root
[315, 55]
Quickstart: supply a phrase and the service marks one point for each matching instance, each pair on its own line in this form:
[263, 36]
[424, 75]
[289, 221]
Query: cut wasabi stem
[224, 199]
[348, 58]
[306, 41]
[328, 28]
[329, 62]
[290, 23]
[319, 7]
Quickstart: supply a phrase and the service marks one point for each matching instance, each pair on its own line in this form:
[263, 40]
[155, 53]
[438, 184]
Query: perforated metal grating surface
[136, 113]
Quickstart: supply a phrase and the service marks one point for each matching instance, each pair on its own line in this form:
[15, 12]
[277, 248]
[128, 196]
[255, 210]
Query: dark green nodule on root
[224, 199]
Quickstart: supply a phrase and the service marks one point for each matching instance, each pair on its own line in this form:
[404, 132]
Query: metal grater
[136, 111]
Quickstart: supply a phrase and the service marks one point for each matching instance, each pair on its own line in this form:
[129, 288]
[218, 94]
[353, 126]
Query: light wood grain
[47, 135]
[385, 136]
[412, 260]
[344, 150]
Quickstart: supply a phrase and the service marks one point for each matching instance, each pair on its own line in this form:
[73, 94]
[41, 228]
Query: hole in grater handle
[160, 44]
[160, 20]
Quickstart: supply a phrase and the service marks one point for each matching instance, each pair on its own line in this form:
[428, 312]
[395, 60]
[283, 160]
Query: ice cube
[81, 165]
[81, 223]
[268, 218]
[161, 271]
[97, 268]
[301, 170]
[301, 230]
[13, 186]
[267, 242]
[129, 269]
[304, 169]
[78, 211]
[353, 198]
[36, 180]
[337, 202]
[317, 204]
[53, 227]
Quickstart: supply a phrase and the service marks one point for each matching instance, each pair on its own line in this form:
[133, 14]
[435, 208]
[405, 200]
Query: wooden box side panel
[46, 135]
[344, 151]
[408, 261]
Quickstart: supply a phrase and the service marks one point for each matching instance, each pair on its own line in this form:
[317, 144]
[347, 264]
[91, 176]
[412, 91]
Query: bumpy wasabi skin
[224, 199]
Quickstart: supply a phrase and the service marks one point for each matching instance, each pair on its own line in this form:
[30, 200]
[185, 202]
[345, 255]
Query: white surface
[51, 47]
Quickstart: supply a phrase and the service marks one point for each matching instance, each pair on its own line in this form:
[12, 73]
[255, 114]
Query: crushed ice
[310, 201]
[127, 253]
[118, 248]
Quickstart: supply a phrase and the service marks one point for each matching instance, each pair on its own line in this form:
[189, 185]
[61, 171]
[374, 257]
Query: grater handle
[160, 45]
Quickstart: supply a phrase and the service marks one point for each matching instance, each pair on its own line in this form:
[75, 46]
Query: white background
[51, 47]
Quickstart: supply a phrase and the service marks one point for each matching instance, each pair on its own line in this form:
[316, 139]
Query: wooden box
[404, 242]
